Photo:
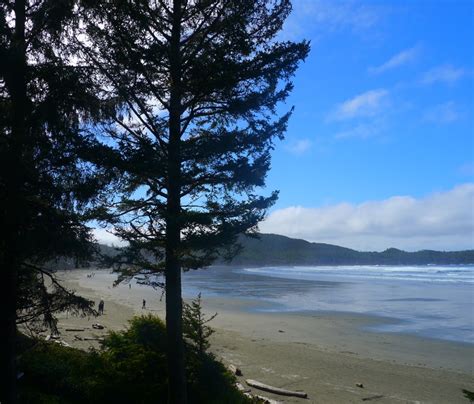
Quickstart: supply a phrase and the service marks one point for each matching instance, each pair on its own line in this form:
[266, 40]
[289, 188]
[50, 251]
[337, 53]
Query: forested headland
[273, 249]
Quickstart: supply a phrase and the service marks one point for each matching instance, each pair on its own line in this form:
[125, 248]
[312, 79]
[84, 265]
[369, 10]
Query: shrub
[130, 368]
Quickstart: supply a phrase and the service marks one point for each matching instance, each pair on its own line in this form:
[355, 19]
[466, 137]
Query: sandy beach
[324, 354]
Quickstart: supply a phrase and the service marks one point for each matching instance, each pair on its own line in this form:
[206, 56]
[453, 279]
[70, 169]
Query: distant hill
[276, 250]
[273, 249]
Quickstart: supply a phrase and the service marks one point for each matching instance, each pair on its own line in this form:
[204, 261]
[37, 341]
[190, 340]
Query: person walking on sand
[144, 304]
[101, 306]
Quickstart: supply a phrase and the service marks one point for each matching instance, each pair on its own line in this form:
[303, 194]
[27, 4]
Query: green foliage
[47, 184]
[56, 371]
[130, 367]
[469, 395]
[136, 361]
[195, 327]
[226, 121]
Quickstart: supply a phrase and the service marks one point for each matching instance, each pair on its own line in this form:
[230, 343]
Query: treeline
[272, 249]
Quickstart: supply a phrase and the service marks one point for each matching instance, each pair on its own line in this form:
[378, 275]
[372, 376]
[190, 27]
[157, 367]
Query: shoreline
[325, 354]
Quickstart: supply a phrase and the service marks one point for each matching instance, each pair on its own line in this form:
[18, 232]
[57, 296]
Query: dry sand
[323, 354]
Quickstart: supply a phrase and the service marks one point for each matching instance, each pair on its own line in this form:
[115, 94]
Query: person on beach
[144, 304]
[101, 306]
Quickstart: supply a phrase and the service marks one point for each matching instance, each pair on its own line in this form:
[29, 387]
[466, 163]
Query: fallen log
[376, 397]
[267, 400]
[78, 337]
[62, 343]
[275, 390]
[93, 338]
[241, 388]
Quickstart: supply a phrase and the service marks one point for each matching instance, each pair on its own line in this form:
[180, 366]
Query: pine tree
[195, 326]
[45, 186]
[198, 83]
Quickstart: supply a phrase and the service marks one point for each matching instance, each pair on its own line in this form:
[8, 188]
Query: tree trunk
[13, 172]
[174, 305]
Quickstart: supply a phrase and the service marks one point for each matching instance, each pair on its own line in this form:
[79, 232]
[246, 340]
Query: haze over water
[430, 301]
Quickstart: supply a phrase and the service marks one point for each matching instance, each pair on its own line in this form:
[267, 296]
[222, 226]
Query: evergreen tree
[45, 186]
[195, 326]
[198, 83]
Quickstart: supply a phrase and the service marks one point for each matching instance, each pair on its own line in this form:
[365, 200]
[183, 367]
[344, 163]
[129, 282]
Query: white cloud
[400, 59]
[442, 221]
[362, 131]
[363, 105]
[310, 17]
[442, 113]
[443, 74]
[299, 147]
[104, 236]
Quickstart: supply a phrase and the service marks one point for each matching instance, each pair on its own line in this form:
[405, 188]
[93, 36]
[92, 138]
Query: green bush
[53, 370]
[130, 368]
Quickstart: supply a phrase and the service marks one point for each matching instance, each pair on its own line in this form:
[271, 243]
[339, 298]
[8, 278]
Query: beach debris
[241, 388]
[93, 339]
[101, 306]
[98, 326]
[360, 385]
[376, 397]
[248, 395]
[51, 336]
[78, 338]
[62, 343]
[267, 400]
[75, 329]
[235, 370]
[281, 331]
[275, 390]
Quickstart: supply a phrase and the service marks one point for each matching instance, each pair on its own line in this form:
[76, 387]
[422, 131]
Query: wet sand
[324, 354]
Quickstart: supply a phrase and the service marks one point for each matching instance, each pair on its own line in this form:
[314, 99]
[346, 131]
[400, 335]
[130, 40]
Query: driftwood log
[373, 397]
[267, 400]
[241, 388]
[93, 338]
[275, 390]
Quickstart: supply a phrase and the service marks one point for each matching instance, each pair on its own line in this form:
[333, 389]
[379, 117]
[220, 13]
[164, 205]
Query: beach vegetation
[469, 395]
[130, 367]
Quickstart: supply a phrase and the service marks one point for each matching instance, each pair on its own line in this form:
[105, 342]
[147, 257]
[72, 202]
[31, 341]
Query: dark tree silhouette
[198, 83]
[45, 186]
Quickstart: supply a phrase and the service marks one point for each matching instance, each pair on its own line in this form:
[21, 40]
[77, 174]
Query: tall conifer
[44, 183]
[198, 83]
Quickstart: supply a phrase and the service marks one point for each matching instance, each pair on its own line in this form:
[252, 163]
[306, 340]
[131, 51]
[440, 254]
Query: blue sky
[383, 109]
[380, 149]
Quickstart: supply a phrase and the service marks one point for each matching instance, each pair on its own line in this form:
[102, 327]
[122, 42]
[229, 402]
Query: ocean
[430, 301]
